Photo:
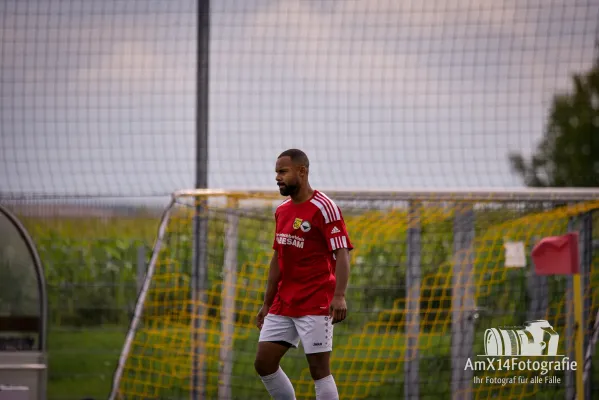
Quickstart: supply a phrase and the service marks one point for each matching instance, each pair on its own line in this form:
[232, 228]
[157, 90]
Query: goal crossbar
[515, 194]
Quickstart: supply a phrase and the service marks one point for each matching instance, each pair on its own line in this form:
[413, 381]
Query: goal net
[429, 275]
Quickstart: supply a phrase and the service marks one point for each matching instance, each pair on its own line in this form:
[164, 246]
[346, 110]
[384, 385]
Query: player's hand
[260, 317]
[338, 309]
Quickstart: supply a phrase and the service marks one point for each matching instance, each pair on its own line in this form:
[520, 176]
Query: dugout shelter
[23, 314]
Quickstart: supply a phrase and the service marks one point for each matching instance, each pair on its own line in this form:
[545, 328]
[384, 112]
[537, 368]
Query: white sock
[326, 389]
[279, 386]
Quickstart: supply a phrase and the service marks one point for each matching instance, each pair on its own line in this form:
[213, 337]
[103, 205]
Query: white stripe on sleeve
[323, 210]
[334, 209]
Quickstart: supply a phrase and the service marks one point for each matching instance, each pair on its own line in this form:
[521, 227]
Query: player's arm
[341, 271]
[272, 285]
[274, 273]
[338, 242]
[338, 307]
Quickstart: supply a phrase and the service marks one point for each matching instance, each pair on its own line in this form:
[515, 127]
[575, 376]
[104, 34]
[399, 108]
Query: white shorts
[315, 332]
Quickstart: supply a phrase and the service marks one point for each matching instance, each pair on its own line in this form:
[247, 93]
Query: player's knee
[319, 371]
[265, 367]
[319, 366]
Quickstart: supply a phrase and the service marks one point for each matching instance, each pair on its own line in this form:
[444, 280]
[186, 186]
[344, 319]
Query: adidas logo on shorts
[335, 230]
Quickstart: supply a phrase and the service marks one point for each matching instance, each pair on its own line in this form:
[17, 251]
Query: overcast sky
[98, 97]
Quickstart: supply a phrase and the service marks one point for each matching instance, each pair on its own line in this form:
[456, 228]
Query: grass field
[90, 267]
[79, 372]
[82, 362]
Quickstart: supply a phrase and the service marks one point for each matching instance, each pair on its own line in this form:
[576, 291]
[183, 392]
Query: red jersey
[306, 236]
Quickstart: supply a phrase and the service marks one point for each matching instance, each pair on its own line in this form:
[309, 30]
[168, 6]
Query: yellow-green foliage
[93, 261]
[90, 265]
[92, 228]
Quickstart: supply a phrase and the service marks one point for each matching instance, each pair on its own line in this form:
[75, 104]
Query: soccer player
[308, 276]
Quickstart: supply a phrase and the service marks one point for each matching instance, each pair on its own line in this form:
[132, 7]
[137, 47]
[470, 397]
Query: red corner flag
[556, 255]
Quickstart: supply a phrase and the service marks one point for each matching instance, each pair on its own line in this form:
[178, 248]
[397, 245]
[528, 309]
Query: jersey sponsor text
[290, 240]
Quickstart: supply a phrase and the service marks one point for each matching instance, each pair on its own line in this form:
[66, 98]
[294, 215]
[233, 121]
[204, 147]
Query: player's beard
[289, 189]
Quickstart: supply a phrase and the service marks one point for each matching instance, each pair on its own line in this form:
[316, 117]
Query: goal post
[429, 274]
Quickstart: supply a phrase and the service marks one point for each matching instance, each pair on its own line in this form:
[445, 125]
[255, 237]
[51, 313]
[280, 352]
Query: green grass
[82, 362]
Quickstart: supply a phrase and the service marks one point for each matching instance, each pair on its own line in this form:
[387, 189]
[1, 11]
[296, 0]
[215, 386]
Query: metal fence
[107, 107]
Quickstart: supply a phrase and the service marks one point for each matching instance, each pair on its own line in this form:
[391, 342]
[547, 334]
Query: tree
[568, 155]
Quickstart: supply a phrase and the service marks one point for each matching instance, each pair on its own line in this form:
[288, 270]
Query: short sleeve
[337, 236]
[332, 224]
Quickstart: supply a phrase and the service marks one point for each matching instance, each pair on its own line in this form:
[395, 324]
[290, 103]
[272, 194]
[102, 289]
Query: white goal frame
[404, 195]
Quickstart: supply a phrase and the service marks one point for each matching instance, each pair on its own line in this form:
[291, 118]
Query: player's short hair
[297, 156]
